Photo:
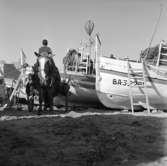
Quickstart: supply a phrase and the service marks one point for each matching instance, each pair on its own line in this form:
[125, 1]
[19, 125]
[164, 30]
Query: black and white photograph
[83, 83]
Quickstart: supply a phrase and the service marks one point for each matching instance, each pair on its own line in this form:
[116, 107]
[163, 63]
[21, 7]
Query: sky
[125, 26]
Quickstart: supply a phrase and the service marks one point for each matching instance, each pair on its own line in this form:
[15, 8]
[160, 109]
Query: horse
[46, 81]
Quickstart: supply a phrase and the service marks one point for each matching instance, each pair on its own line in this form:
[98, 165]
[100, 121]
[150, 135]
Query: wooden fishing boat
[81, 78]
[79, 70]
[126, 84]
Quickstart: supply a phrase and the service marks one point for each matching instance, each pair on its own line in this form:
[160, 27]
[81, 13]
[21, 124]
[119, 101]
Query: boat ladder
[137, 74]
[84, 63]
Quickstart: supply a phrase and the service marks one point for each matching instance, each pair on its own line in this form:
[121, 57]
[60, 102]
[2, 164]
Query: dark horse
[46, 81]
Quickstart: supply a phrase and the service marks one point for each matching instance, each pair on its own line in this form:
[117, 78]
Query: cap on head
[45, 42]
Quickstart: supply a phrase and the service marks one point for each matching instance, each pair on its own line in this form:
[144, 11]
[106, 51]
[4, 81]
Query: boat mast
[89, 27]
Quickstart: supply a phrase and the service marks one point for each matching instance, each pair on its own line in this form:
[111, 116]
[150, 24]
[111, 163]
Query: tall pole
[90, 47]
[89, 26]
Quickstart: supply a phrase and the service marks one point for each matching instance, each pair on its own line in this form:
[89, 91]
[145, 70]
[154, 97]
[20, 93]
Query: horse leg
[50, 98]
[46, 99]
[66, 102]
[40, 106]
[40, 103]
[30, 103]
[51, 104]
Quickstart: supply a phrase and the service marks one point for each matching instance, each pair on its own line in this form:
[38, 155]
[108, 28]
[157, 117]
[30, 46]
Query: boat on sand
[124, 84]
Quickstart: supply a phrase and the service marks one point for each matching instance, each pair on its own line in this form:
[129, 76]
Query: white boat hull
[112, 85]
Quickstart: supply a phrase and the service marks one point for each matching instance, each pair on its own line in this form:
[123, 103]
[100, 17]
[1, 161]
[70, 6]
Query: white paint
[42, 61]
[114, 95]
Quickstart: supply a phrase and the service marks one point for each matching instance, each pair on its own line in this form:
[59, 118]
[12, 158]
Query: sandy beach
[86, 139]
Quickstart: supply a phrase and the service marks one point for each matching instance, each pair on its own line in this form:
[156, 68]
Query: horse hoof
[39, 112]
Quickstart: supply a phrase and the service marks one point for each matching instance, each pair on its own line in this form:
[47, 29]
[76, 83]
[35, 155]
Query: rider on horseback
[45, 48]
[45, 79]
[46, 51]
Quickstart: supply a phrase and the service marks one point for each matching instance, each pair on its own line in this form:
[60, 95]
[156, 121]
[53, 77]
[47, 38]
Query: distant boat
[79, 70]
[118, 81]
[10, 73]
[79, 73]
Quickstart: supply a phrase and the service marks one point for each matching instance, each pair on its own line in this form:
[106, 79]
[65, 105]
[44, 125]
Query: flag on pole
[23, 58]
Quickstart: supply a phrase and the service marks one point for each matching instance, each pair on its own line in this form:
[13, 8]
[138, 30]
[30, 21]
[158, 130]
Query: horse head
[45, 70]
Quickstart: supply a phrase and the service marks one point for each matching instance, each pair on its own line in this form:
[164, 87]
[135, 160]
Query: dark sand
[98, 140]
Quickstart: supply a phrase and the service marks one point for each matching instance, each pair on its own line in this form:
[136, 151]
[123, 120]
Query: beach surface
[87, 138]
